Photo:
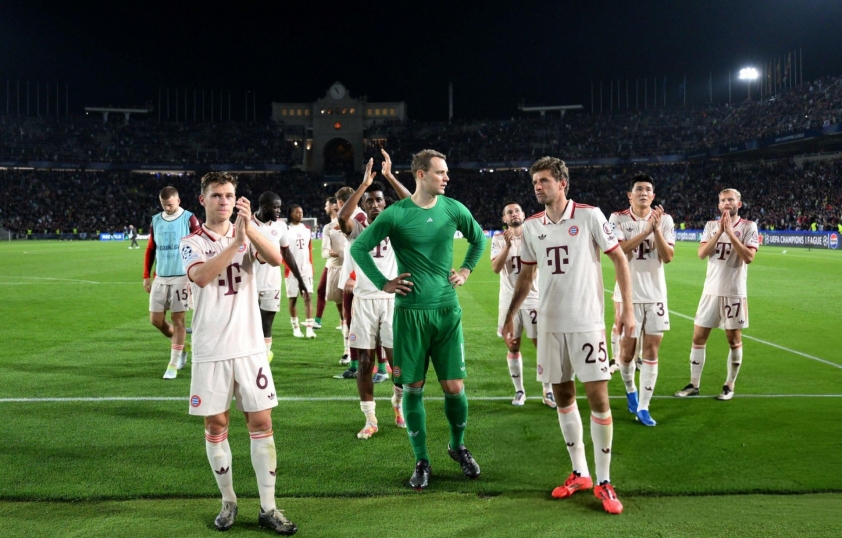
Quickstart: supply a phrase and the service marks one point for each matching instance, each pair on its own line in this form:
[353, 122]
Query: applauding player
[647, 237]
[729, 245]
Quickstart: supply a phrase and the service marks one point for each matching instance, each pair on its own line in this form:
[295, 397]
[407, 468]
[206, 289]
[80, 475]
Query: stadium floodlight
[749, 74]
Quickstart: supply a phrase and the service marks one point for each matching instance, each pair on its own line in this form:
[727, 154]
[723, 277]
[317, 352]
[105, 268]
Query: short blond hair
[735, 191]
[422, 160]
[217, 178]
[555, 166]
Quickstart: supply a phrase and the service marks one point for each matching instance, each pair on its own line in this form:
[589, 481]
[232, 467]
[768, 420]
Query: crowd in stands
[777, 195]
[622, 133]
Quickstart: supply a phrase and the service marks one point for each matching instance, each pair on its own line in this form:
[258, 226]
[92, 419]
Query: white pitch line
[47, 279]
[294, 399]
[758, 340]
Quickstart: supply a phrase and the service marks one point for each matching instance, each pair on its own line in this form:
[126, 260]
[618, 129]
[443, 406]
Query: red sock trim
[261, 435]
[216, 438]
[602, 421]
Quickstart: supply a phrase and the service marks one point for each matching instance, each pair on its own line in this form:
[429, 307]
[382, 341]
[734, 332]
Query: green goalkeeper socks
[416, 421]
[456, 411]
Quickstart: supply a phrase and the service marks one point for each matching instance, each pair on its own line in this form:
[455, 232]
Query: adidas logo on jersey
[430, 219]
[542, 237]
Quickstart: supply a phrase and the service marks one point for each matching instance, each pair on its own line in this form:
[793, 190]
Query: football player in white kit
[729, 245]
[229, 357]
[269, 278]
[647, 237]
[505, 261]
[302, 250]
[371, 322]
[333, 254]
[563, 244]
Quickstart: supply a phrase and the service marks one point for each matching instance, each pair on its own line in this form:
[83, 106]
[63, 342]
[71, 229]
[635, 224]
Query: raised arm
[499, 260]
[707, 247]
[267, 251]
[746, 254]
[665, 250]
[386, 170]
[204, 273]
[347, 211]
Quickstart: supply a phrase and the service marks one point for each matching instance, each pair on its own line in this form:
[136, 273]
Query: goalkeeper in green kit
[427, 323]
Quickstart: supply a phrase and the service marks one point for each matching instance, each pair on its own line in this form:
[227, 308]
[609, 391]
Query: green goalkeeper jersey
[423, 244]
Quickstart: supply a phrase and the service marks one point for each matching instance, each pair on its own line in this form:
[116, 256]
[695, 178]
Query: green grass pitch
[97, 444]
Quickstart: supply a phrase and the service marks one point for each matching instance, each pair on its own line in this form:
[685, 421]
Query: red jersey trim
[191, 266]
[610, 249]
[536, 216]
[752, 248]
[527, 263]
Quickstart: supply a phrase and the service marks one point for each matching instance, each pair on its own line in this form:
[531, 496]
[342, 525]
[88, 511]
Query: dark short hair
[374, 187]
[292, 208]
[331, 200]
[167, 193]
[507, 204]
[641, 177]
[218, 178]
[268, 198]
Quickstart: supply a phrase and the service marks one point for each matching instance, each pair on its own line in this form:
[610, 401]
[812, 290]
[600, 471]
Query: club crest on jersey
[274, 232]
[573, 230]
[352, 337]
[242, 248]
[607, 228]
[540, 369]
[396, 371]
[195, 401]
[737, 233]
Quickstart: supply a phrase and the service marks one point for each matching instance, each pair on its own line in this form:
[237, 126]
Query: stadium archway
[338, 157]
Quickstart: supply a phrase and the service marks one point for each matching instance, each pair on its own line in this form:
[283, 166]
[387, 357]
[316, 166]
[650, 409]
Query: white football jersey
[268, 277]
[727, 272]
[384, 259]
[302, 249]
[570, 296]
[649, 285]
[226, 315]
[510, 272]
[333, 239]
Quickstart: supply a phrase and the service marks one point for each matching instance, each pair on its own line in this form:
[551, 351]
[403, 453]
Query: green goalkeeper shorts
[422, 335]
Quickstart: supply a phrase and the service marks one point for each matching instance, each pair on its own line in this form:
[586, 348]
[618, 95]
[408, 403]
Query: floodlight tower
[749, 74]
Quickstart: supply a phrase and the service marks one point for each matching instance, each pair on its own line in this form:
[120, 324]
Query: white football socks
[735, 359]
[627, 370]
[571, 429]
[268, 342]
[697, 363]
[175, 354]
[648, 377]
[294, 323]
[264, 459]
[515, 361]
[368, 410]
[219, 457]
[602, 433]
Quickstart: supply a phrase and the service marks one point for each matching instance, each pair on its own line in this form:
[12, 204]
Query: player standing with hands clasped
[229, 356]
[563, 244]
[729, 245]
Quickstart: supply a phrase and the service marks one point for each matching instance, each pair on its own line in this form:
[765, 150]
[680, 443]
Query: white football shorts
[292, 285]
[563, 355]
[526, 319]
[270, 300]
[214, 383]
[724, 312]
[370, 319]
[170, 293]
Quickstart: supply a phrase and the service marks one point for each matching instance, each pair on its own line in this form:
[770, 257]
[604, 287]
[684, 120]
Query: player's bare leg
[735, 360]
[170, 330]
[628, 349]
[159, 321]
[293, 318]
[570, 422]
[613, 363]
[219, 457]
[309, 322]
[365, 386]
[648, 376]
[321, 302]
[602, 435]
[397, 393]
[697, 361]
[267, 319]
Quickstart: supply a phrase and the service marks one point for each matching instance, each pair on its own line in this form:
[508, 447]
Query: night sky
[495, 53]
